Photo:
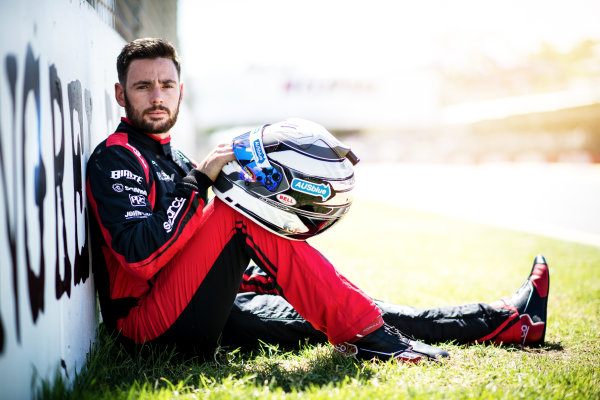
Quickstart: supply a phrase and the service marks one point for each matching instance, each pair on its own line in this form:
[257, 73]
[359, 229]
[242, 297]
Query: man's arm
[142, 232]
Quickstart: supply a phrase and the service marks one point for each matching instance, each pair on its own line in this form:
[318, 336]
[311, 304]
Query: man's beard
[137, 119]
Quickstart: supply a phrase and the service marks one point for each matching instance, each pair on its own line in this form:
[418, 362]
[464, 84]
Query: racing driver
[172, 268]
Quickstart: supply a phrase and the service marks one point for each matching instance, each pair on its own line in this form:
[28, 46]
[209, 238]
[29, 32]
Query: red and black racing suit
[168, 266]
[260, 314]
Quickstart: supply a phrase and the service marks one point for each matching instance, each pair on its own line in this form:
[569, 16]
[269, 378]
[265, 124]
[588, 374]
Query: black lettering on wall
[81, 265]
[23, 177]
[11, 71]
[11, 215]
[62, 285]
[35, 282]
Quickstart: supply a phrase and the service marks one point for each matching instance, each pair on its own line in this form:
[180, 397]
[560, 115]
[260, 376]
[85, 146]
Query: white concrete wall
[57, 70]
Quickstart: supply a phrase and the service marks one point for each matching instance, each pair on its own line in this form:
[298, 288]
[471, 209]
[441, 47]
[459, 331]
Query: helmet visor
[250, 153]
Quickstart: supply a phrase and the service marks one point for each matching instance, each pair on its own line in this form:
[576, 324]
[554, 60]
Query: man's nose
[156, 95]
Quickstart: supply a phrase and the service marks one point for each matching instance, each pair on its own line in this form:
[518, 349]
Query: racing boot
[387, 343]
[528, 325]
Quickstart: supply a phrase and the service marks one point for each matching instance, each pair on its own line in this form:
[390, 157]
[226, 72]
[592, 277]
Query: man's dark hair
[146, 48]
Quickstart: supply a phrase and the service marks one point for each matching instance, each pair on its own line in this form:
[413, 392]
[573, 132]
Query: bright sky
[368, 36]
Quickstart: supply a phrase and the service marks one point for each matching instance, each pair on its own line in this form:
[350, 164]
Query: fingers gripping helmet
[294, 178]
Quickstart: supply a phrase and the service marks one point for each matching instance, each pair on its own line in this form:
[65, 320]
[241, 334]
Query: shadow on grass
[114, 370]
[545, 348]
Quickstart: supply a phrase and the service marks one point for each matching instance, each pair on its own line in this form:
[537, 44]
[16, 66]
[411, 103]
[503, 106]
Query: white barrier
[57, 70]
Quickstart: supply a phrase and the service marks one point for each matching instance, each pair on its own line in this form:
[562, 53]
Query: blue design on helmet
[249, 151]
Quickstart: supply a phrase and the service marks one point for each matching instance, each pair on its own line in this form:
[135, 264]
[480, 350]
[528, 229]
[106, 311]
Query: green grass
[405, 257]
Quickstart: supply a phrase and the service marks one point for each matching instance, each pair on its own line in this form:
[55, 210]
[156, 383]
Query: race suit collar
[158, 146]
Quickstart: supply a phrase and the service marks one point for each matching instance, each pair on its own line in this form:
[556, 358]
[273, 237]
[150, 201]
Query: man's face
[152, 95]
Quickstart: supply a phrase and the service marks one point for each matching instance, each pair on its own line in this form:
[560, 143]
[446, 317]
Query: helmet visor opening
[250, 153]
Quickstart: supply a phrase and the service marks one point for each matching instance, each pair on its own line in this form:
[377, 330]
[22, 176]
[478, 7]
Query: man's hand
[216, 159]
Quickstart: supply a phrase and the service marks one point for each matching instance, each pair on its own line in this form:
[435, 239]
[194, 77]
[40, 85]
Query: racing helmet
[293, 177]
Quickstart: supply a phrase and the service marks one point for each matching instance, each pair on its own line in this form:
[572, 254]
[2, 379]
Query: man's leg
[332, 304]
[267, 318]
[310, 283]
[272, 319]
[191, 297]
[462, 324]
[518, 319]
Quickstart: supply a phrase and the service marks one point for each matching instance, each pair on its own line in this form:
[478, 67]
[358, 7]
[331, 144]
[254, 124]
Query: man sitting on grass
[168, 265]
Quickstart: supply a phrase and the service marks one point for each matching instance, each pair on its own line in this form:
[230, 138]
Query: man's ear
[120, 94]
[180, 92]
